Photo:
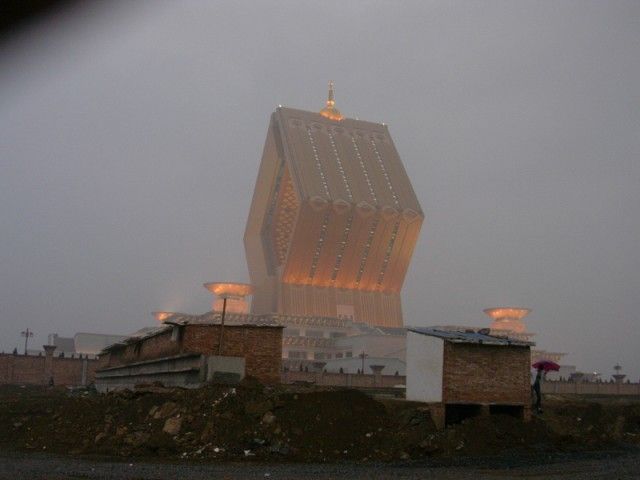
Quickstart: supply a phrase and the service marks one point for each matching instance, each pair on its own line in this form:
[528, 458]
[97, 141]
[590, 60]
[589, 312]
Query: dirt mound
[491, 434]
[595, 423]
[332, 424]
[286, 423]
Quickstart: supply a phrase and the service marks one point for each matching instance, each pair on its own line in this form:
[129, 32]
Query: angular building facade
[333, 220]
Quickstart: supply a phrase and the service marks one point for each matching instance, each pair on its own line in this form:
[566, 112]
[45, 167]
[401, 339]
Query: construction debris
[289, 423]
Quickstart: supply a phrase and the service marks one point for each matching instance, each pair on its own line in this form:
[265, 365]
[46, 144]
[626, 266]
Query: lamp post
[363, 356]
[230, 296]
[224, 310]
[618, 377]
[26, 334]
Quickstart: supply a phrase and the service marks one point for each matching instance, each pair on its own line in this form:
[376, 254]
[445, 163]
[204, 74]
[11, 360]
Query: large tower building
[333, 220]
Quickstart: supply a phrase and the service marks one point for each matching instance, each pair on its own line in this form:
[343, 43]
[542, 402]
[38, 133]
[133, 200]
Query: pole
[363, 355]
[224, 310]
[27, 333]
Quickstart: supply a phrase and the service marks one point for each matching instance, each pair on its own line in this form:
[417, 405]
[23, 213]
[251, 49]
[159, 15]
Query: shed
[467, 373]
[186, 353]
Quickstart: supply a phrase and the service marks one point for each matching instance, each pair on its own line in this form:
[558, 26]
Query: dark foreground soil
[251, 423]
[574, 466]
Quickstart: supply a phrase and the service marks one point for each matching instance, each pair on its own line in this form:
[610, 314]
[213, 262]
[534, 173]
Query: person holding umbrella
[542, 366]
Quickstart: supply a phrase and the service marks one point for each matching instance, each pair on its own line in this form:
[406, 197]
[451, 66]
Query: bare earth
[619, 465]
[294, 432]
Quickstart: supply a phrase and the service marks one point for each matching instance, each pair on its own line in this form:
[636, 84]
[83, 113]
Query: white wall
[425, 356]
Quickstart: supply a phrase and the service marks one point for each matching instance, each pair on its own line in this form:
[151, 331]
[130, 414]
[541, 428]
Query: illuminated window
[341, 247]
[387, 255]
[364, 170]
[367, 247]
[318, 164]
[340, 168]
[319, 245]
[384, 172]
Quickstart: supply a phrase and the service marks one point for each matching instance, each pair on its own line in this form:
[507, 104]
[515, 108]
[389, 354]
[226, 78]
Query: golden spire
[330, 111]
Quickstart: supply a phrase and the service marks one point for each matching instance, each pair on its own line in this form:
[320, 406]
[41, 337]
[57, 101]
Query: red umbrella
[546, 365]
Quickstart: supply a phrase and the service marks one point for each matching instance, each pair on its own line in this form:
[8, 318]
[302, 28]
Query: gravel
[599, 465]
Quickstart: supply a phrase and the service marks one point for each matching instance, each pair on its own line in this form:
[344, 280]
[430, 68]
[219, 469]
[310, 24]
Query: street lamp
[26, 334]
[363, 356]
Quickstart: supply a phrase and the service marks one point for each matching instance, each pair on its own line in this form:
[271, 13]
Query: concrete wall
[352, 365]
[590, 388]
[190, 370]
[485, 374]
[346, 379]
[225, 366]
[177, 371]
[38, 370]
[425, 360]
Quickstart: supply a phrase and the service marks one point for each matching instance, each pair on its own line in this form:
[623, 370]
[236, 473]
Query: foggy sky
[131, 133]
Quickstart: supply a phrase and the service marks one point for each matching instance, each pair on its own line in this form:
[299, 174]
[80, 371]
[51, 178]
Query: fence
[351, 380]
[590, 388]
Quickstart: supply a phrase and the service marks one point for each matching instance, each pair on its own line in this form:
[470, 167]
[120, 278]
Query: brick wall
[37, 370]
[260, 346]
[486, 374]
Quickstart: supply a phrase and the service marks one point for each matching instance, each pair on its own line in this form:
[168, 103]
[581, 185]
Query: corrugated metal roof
[469, 337]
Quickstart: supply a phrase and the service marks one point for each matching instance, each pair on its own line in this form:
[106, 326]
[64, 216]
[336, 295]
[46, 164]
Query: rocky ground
[618, 465]
[251, 423]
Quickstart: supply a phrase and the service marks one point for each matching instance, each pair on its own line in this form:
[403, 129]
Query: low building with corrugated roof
[467, 373]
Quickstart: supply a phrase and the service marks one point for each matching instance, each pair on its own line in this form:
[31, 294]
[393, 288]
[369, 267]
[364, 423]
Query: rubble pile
[285, 423]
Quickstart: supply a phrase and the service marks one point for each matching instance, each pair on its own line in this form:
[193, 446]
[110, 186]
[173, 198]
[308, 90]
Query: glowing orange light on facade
[234, 293]
[162, 316]
[222, 289]
[507, 312]
[508, 318]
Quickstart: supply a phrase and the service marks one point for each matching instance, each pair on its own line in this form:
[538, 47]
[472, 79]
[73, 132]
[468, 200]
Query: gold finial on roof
[330, 111]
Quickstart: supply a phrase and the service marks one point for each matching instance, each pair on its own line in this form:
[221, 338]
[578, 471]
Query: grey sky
[130, 136]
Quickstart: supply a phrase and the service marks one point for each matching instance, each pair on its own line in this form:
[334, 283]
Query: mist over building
[329, 237]
[333, 221]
